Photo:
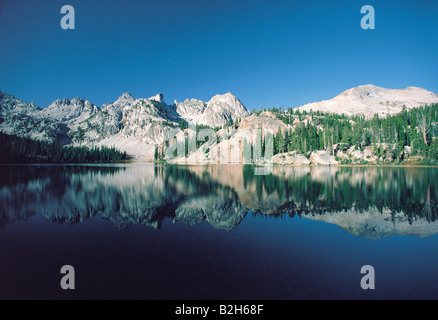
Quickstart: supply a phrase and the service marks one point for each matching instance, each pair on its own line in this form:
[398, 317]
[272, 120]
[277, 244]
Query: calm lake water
[145, 231]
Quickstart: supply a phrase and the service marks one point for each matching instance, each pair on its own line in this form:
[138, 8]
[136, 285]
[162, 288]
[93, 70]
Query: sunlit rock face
[138, 125]
[322, 158]
[220, 110]
[134, 125]
[290, 158]
[370, 99]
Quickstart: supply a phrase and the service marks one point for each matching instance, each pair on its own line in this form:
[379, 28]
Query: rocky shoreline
[352, 157]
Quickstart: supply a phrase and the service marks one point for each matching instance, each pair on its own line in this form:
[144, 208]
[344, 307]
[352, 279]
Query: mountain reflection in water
[371, 202]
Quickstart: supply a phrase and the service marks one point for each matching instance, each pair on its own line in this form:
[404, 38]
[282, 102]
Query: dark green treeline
[15, 149]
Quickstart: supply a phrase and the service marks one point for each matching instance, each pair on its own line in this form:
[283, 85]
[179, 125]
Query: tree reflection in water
[352, 197]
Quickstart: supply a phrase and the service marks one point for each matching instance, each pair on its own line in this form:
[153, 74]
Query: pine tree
[156, 152]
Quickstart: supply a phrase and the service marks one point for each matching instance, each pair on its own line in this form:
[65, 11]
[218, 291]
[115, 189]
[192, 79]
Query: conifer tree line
[416, 128]
[19, 149]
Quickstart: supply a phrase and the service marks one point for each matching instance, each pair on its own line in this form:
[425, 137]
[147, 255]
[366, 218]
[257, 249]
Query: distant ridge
[370, 99]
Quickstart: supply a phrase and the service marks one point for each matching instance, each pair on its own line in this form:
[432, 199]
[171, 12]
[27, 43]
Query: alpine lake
[160, 231]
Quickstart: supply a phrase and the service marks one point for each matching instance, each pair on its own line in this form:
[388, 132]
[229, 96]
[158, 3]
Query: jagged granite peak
[136, 125]
[228, 102]
[108, 121]
[129, 124]
[115, 108]
[21, 118]
[224, 108]
[66, 110]
[370, 99]
[220, 110]
[126, 96]
[189, 110]
[11, 105]
[158, 98]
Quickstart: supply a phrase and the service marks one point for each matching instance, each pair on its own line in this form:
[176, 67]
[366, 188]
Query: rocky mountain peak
[191, 109]
[66, 110]
[126, 96]
[228, 98]
[370, 99]
[134, 125]
[220, 110]
[158, 98]
[11, 105]
[224, 108]
[4, 95]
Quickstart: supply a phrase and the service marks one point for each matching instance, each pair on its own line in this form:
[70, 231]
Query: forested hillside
[15, 149]
[409, 133]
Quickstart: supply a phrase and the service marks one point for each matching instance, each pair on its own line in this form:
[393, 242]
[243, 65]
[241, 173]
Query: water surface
[144, 231]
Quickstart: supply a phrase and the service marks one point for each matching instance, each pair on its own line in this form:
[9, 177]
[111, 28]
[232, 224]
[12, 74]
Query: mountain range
[137, 125]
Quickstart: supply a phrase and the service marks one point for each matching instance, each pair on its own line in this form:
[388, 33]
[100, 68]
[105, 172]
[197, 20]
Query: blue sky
[267, 53]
